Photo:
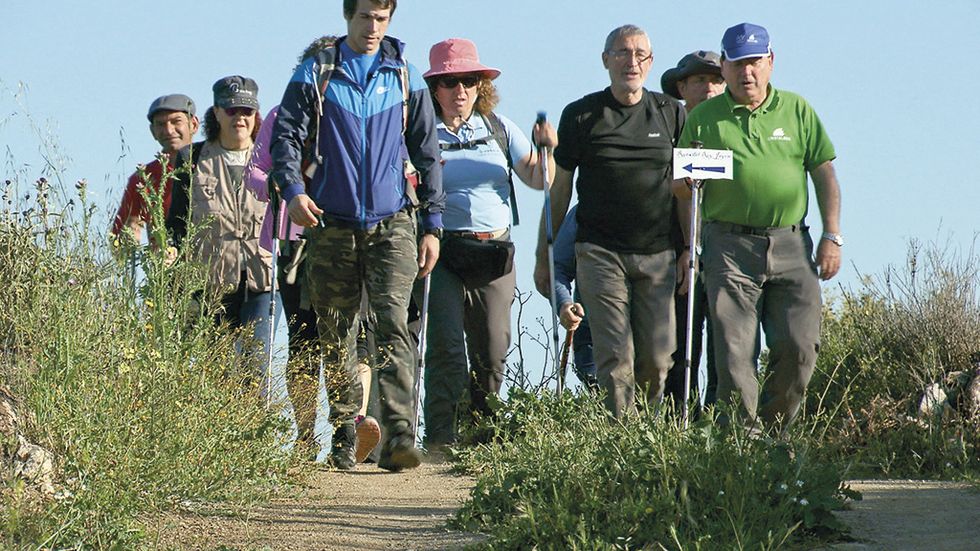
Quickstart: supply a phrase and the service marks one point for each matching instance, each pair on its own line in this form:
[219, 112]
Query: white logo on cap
[752, 39]
[234, 87]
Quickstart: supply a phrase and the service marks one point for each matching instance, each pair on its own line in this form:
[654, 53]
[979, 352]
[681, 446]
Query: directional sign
[703, 164]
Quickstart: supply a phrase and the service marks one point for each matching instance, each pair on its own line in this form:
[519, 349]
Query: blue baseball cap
[745, 40]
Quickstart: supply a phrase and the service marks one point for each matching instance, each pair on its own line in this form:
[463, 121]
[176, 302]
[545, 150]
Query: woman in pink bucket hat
[472, 286]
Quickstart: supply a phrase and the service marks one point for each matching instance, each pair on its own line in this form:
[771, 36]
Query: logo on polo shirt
[779, 135]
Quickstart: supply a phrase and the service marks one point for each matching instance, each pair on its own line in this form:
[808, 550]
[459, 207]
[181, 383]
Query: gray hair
[622, 32]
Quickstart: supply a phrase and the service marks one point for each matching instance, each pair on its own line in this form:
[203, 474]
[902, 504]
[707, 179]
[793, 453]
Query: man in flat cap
[696, 78]
[173, 123]
[759, 263]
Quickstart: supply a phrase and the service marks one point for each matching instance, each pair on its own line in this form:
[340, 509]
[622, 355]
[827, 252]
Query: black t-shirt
[623, 155]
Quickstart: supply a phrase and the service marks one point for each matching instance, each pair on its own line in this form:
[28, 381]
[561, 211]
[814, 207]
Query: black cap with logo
[236, 91]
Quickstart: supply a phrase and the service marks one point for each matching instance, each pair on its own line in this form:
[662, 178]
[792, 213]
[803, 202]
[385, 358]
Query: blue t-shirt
[475, 180]
[358, 66]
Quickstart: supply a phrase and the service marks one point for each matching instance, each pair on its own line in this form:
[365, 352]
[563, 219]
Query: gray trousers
[766, 277]
[464, 324]
[341, 264]
[629, 299]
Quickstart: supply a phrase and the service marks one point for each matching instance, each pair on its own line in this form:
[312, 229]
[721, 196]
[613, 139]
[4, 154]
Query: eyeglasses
[624, 55]
[236, 111]
[469, 81]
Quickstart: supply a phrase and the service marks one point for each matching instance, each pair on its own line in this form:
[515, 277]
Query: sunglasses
[236, 111]
[469, 81]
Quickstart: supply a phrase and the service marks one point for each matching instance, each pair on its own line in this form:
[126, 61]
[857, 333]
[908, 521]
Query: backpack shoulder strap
[406, 92]
[664, 105]
[499, 133]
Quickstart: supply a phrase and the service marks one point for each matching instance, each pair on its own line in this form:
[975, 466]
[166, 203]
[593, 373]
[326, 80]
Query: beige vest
[229, 221]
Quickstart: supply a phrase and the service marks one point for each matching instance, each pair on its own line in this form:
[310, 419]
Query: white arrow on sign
[703, 164]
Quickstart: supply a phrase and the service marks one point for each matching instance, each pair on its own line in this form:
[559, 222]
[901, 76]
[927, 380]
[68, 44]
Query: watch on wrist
[835, 238]
[437, 232]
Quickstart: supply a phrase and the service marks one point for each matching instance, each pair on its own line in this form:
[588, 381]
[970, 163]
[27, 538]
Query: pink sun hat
[456, 56]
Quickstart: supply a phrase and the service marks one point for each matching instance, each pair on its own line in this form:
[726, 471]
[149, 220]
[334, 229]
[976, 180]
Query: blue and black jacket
[362, 142]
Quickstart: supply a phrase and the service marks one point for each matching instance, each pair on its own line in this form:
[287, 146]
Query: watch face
[835, 238]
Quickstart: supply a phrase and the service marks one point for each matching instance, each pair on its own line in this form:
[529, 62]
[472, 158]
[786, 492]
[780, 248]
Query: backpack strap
[180, 194]
[406, 92]
[499, 133]
[326, 60]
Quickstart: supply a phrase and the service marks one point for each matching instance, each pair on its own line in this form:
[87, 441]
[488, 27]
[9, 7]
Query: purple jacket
[257, 180]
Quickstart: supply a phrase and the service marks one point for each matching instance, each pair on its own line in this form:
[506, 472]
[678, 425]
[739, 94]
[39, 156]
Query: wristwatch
[835, 238]
[437, 232]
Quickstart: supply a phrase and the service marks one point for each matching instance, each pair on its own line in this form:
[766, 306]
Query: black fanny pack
[476, 262]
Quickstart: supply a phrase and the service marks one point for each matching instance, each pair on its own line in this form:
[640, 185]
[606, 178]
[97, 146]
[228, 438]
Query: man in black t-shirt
[621, 141]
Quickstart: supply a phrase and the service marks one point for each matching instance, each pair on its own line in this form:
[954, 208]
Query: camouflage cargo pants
[342, 263]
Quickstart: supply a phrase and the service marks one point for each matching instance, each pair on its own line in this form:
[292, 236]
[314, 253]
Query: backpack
[326, 59]
[498, 134]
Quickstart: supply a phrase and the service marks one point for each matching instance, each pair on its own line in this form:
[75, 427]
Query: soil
[366, 509]
[898, 515]
[370, 509]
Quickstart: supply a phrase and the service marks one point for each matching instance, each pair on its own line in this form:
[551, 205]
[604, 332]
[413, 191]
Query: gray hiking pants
[763, 276]
[629, 299]
[466, 347]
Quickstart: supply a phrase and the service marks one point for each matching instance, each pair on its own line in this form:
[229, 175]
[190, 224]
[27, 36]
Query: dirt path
[367, 509]
[898, 515]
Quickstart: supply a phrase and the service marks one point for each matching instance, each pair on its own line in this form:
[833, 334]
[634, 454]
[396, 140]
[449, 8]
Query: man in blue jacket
[372, 124]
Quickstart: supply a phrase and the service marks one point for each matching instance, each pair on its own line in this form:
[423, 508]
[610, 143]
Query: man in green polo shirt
[759, 266]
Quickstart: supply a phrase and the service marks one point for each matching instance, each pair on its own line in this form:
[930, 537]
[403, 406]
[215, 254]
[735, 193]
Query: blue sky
[883, 76]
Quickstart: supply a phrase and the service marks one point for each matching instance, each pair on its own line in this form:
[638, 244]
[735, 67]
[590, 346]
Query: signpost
[696, 165]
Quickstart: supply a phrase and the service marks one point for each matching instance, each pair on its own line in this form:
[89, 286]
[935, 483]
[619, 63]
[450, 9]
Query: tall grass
[146, 403]
[912, 326]
[564, 476]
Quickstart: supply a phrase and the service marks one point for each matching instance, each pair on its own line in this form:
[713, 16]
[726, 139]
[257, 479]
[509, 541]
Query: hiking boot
[368, 435]
[342, 448]
[399, 453]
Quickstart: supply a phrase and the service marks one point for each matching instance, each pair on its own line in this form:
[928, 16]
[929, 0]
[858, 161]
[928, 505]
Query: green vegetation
[146, 404]
[149, 407]
[908, 329]
[566, 477]
[563, 475]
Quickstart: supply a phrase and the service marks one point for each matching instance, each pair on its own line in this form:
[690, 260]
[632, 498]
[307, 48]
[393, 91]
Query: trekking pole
[543, 153]
[695, 230]
[274, 206]
[420, 365]
[565, 350]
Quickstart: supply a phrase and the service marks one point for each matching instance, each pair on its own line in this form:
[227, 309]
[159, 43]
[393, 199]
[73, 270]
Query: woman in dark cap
[472, 286]
[227, 214]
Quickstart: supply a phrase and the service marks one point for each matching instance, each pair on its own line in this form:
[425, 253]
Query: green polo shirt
[774, 148]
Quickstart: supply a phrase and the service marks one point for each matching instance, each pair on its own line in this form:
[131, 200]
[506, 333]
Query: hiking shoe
[399, 453]
[368, 435]
[342, 448]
